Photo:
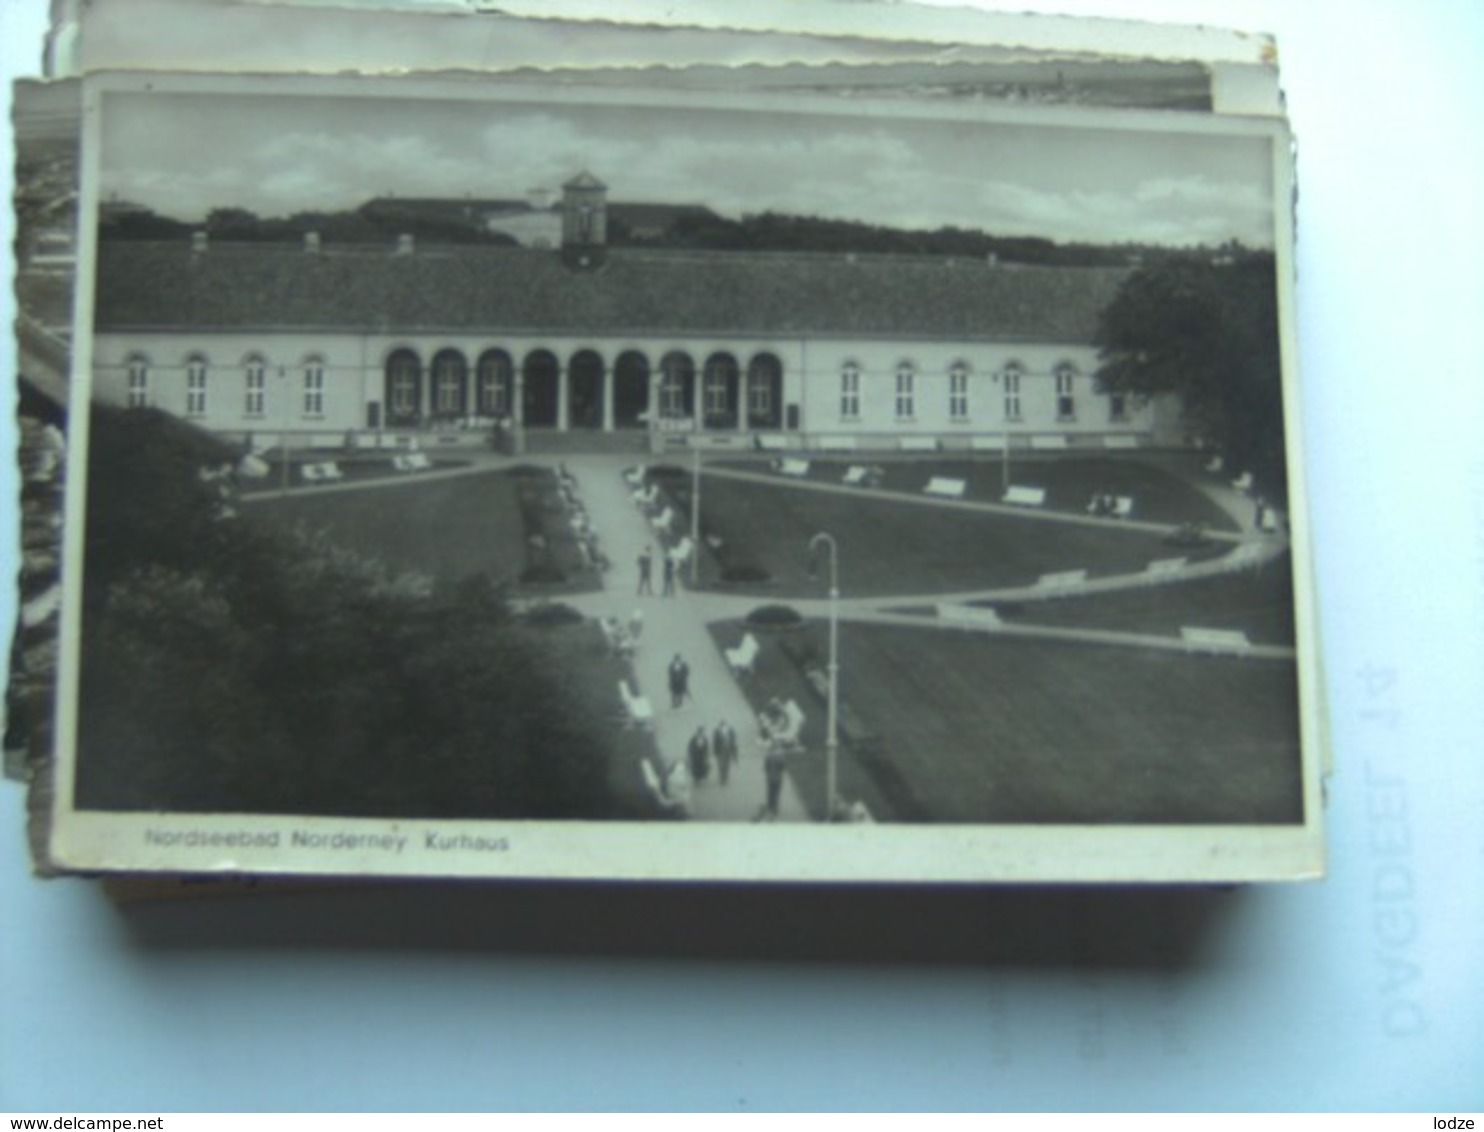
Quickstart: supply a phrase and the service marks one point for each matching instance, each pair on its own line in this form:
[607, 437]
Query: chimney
[405, 244]
[198, 242]
[311, 243]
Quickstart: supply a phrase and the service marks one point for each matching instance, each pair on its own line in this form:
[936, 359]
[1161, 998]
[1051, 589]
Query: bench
[412, 462]
[310, 473]
[783, 733]
[1163, 567]
[1215, 640]
[855, 475]
[1024, 496]
[1243, 482]
[1052, 443]
[1060, 579]
[620, 642]
[1269, 522]
[1111, 506]
[744, 656]
[967, 616]
[656, 788]
[647, 496]
[680, 553]
[1214, 464]
[917, 444]
[949, 488]
[637, 709]
[634, 477]
[662, 521]
[792, 467]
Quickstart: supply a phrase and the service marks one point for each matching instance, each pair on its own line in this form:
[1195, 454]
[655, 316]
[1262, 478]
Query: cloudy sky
[186, 154]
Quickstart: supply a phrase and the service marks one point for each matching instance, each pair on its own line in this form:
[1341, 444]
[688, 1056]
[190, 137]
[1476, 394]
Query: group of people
[646, 573]
[720, 746]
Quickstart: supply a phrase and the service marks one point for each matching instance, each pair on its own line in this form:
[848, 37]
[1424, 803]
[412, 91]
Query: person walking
[646, 571]
[669, 590]
[636, 626]
[679, 682]
[699, 751]
[773, 767]
[724, 747]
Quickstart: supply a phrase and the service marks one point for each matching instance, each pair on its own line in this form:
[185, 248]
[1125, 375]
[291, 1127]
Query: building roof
[164, 285]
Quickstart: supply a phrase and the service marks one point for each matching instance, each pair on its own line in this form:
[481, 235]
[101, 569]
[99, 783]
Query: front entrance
[585, 387]
[542, 374]
[631, 390]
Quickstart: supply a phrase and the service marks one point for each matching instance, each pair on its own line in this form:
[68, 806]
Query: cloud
[312, 154]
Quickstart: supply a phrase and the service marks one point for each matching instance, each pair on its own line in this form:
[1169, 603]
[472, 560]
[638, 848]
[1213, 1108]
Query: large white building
[816, 349]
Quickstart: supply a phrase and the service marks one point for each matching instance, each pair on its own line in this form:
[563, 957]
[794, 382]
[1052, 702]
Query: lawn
[447, 529]
[890, 545]
[1069, 481]
[1257, 602]
[973, 729]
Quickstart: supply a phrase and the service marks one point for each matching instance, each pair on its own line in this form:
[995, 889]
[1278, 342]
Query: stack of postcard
[817, 444]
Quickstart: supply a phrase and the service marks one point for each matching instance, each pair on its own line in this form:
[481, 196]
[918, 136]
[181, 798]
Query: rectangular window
[906, 393]
[760, 398]
[1066, 407]
[958, 394]
[138, 385]
[1118, 406]
[196, 389]
[314, 390]
[716, 395]
[256, 385]
[1012, 395]
[850, 394]
[672, 396]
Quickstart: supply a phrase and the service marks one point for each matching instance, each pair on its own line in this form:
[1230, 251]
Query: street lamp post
[283, 431]
[832, 734]
[695, 513]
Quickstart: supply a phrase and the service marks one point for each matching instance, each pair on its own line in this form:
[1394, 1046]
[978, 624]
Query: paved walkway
[673, 625]
[678, 624]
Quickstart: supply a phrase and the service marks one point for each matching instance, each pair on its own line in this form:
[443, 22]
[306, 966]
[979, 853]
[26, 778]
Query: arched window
[906, 399]
[677, 382]
[314, 386]
[1011, 378]
[403, 388]
[255, 385]
[719, 388]
[958, 391]
[764, 391]
[493, 380]
[137, 395]
[449, 374]
[850, 392]
[196, 386]
[1066, 400]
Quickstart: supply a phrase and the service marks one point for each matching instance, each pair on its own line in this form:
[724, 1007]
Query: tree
[1205, 328]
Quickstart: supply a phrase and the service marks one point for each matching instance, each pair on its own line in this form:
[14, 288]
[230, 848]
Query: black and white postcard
[537, 479]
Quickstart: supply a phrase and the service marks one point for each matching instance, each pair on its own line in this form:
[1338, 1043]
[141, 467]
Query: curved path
[677, 624]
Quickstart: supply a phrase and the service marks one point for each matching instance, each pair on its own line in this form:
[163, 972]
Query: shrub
[775, 617]
[552, 614]
[745, 572]
[543, 574]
